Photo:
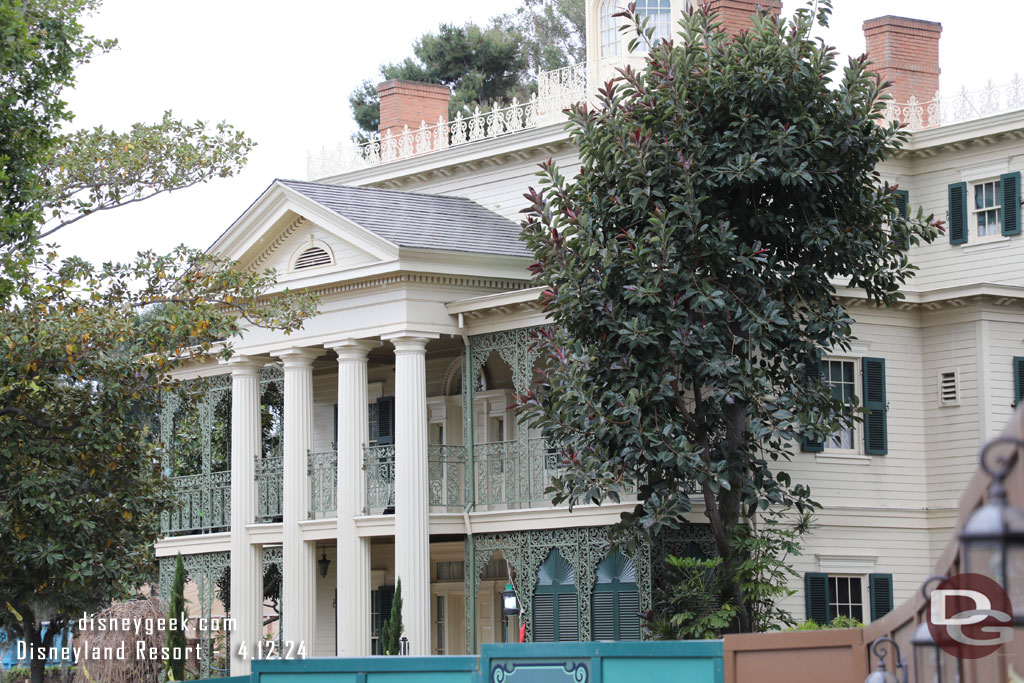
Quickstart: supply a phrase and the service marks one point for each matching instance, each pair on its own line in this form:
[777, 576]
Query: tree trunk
[38, 642]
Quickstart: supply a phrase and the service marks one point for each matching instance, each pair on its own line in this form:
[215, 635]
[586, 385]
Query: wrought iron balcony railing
[323, 484]
[446, 474]
[269, 489]
[379, 466]
[204, 505]
[514, 473]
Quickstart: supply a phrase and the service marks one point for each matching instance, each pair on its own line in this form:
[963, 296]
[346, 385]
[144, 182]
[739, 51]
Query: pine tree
[391, 631]
[176, 636]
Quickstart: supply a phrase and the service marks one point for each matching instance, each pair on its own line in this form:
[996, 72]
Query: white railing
[966, 105]
[556, 91]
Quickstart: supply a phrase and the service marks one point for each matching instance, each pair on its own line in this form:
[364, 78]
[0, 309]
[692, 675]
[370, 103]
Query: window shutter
[385, 420]
[876, 440]
[629, 615]
[544, 618]
[1010, 210]
[816, 595]
[602, 615]
[383, 598]
[902, 198]
[881, 594]
[813, 371]
[1018, 381]
[568, 617]
[334, 434]
[958, 213]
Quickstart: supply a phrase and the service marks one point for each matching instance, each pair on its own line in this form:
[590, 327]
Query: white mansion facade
[337, 459]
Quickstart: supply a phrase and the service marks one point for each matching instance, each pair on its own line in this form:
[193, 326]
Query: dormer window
[314, 254]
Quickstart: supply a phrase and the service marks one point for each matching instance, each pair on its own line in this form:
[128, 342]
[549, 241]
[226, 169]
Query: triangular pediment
[282, 226]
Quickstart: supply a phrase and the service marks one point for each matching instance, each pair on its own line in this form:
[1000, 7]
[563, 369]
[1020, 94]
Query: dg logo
[970, 616]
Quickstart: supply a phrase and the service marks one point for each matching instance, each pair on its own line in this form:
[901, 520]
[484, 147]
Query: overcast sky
[282, 72]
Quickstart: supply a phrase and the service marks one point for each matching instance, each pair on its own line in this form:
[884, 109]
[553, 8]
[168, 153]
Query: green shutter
[1009, 212]
[958, 213]
[902, 198]
[1018, 381]
[385, 420]
[880, 586]
[876, 440]
[813, 371]
[543, 618]
[567, 614]
[816, 596]
[334, 434]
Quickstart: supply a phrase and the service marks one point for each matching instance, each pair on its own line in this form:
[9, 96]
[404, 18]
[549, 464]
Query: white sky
[282, 72]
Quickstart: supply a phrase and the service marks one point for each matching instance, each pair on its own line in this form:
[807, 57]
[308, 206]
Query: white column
[354, 626]
[298, 570]
[412, 522]
[246, 569]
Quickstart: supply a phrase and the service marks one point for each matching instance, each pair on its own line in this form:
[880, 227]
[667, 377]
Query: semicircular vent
[312, 257]
[616, 567]
[556, 570]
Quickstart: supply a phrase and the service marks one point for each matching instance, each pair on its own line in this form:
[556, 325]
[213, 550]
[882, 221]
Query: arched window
[555, 605]
[659, 16]
[611, 39]
[615, 607]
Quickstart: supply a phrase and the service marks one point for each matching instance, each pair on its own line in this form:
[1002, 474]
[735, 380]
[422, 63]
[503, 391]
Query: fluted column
[412, 522]
[298, 589]
[246, 569]
[354, 626]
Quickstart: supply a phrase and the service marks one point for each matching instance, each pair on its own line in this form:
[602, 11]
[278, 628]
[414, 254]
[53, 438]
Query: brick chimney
[737, 15]
[408, 103]
[905, 52]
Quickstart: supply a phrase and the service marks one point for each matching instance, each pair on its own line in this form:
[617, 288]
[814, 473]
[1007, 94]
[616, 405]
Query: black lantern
[881, 675]
[509, 601]
[992, 539]
[323, 563]
[931, 663]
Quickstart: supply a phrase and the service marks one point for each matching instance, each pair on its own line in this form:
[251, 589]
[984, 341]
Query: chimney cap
[904, 22]
[422, 86]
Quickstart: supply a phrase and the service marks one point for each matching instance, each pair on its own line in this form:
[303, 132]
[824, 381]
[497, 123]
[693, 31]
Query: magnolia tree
[85, 350]
[691, 268]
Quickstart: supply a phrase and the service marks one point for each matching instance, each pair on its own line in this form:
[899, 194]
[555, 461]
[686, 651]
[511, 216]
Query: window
[451, 571]
[1018, 381]
[837, 595]
[555, 605]
[611, 43]
[839, 374]
[659, 16]
[983, 209]
[985, 214]
[615, 606]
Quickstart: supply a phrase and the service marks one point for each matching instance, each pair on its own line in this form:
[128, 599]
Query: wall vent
[312, 257]
[949, 388]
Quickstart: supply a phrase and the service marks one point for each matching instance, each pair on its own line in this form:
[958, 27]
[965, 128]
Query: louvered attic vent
[311, 258]
[949, 389]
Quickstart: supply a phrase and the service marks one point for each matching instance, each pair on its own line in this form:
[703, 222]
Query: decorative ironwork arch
[204, 570]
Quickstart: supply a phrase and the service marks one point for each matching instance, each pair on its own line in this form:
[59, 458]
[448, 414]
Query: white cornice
[955, 136]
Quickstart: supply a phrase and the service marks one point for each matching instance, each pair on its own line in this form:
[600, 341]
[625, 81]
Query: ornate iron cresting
[204, 570]
[379, 465]
[965, 105]
[323, 484]
[446, 472]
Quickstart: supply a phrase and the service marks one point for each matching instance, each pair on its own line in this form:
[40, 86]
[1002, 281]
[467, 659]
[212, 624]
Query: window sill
[979, 242]
[840, 457]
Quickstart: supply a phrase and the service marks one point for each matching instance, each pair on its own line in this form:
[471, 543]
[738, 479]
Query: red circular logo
[970, 616]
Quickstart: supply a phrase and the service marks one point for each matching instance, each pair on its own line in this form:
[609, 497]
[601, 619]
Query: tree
[689, 269]
[484, 65]
[85, 350]
[176, 636]
[391, 629]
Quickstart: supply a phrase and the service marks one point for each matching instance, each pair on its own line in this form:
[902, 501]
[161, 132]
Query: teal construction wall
[600, 662]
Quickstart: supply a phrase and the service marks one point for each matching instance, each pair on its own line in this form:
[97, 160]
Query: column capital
[410, 341]
[242, 366]
[297, 357]
[352, 349]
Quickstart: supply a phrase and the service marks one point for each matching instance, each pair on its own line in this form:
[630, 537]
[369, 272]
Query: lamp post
[931, 664]
[881, 675]
[509, 605]
[323, 563]
[992, 539]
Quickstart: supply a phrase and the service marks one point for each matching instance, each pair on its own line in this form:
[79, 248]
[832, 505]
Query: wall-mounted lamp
[323, 563]
[509, 601]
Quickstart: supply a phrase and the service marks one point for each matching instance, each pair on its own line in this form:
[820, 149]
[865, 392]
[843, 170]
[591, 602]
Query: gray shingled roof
[419, 221]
